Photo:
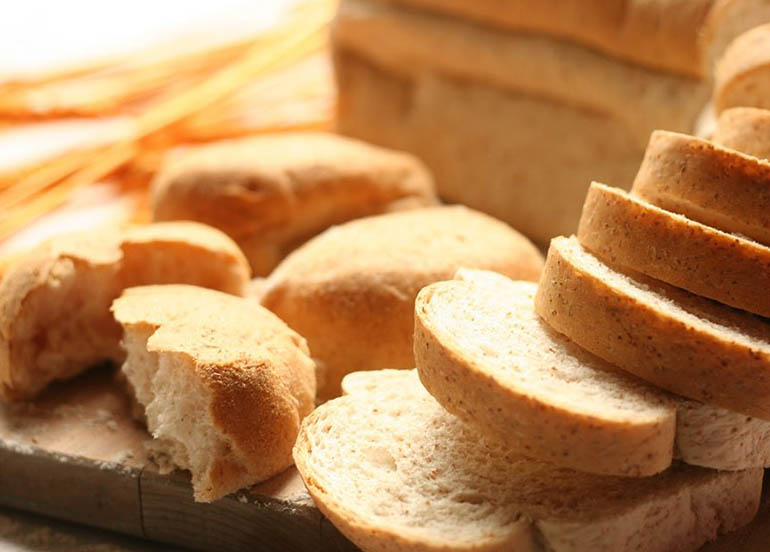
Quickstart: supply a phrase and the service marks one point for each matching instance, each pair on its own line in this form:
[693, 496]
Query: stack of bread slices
[621, 404]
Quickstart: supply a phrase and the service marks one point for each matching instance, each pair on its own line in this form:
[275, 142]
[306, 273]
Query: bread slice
[350, 291]
[717, 186]
[745, 129]
[272, 193]
[630, 232]
[741, 74]
[223, 382]
[669, 337]
[395, 472]
[54, 301]
[485, 355]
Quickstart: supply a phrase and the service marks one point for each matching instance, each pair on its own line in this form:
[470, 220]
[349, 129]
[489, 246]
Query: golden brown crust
[630, 232]
[271, 193]
[350, 291]
[54, 301]
[719, 187]
[661, 35]
[536, 186]
[744, 129]
[647, 334]
[412, 44]
[740, 71]
[258, 370]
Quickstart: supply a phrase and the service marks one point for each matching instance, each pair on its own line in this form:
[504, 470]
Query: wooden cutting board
[76, 454]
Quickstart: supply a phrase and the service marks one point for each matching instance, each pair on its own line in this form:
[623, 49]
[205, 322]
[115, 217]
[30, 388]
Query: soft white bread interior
[708, 183]
[223, 382]
[350, 291]
[54, 301]
[676, 340]
[271, 193]
[395, 472]
[745, 129]
[485, 355]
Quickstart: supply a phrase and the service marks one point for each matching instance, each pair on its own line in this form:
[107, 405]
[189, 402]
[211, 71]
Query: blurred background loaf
[517, 106]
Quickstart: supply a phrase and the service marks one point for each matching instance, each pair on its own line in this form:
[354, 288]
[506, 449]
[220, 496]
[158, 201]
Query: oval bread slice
[271, 193]
[667, 336]
[350, 291]
[633, 233]
[745, 129]
[717, 186]
[741, 74]
[394, 471]
[223, 382]
[485, 355]
[55, 301]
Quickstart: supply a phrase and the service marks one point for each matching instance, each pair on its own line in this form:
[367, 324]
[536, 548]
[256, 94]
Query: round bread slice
[742, 74]
[350, 291]
[55, 301]
[630, 232]
[485, 355]
[674, 339]
[272, 193]
[745, 129]
[394, 471]
[224, 383]
[717, 186]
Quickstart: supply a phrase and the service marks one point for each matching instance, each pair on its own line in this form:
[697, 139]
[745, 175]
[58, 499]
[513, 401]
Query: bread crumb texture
[224, 383]
[395, 471]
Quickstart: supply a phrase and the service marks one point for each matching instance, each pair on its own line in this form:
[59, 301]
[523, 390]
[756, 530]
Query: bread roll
[271, 193]
[350, 291]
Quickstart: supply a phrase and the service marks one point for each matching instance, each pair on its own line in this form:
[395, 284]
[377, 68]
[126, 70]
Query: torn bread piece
[350, 291]
[672, 338]
[487, 357]
[394, 471]
[224, 383]
[55, 301]
[272, 193]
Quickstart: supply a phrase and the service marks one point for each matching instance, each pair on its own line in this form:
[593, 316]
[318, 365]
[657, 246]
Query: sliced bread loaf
[223, 382]
[55, 301]
[745, 129]
[485, 355]
[633, 233]
[674, 339]
[350, 291]
[395, 472]
[272, 193]
[717, 186]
